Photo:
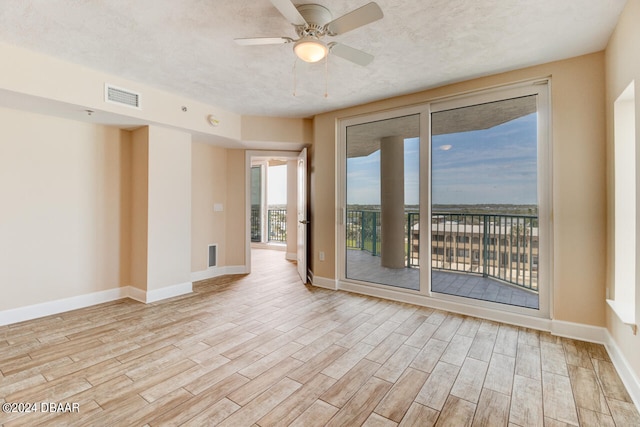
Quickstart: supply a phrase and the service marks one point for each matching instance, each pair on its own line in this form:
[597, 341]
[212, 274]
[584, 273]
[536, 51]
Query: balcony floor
[363, 266]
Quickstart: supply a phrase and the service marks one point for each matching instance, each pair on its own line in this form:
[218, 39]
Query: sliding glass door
[382, 201]
[484, 201]
[451, 200]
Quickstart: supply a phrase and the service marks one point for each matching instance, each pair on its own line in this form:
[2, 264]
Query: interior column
[392, 201]
[161, 213]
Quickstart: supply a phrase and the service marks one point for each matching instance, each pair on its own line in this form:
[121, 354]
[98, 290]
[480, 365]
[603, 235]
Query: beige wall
[622, 67]
[296, 132]
[169, 216]
[236, 232]
[139, 207]
[578, 133]
[65, 211]
[82, 87]
[209, 187]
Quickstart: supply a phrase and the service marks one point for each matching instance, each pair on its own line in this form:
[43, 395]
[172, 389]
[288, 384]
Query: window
[490, 255]
[625, 171]
[463, 253]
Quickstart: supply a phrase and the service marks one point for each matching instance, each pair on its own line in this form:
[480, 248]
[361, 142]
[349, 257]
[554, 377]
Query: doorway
[276, 205]
[269, 191]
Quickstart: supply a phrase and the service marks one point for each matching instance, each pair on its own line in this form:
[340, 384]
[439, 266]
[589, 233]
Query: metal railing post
[485, 240]
[361, 230]
[374, 234]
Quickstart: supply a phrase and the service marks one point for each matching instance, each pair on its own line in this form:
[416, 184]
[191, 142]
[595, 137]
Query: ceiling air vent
[121, 96]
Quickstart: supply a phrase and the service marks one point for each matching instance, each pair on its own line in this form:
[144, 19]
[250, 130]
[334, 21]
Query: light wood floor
[266, 350]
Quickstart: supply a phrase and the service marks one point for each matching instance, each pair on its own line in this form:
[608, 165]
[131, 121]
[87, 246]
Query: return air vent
[213, 255]
[121, 96]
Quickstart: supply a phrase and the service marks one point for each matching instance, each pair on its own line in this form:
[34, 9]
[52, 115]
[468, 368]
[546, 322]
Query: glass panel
[256, 203]
[382, 202]
[277, 204]
[484, 224]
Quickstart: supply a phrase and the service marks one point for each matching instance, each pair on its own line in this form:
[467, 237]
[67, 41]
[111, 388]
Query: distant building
[508, 250]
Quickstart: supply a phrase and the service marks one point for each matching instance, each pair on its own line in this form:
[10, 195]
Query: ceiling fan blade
[364, 15]
[289, 11]
[255, 41]
[351, 54]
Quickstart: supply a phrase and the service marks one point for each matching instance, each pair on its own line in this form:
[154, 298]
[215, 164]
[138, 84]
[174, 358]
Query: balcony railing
[256, 226]
[363, 231]
[277, 224]
[503, 247]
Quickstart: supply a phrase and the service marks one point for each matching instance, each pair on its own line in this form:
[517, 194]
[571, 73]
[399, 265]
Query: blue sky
[363, 176]
[492, 166]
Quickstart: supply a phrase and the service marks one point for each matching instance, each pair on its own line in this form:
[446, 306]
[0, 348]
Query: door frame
[253, 155]
[302, 216]
[510, 314]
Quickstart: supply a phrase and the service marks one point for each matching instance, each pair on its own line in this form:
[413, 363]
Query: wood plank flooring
[264, 350]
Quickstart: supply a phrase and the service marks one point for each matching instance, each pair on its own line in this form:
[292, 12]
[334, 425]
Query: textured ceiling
[187, 46]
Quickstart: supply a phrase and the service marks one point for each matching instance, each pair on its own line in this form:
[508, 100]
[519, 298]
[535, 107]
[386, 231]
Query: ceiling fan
[312, 23]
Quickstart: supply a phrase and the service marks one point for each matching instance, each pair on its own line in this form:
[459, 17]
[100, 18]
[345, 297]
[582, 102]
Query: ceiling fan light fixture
[310, 49]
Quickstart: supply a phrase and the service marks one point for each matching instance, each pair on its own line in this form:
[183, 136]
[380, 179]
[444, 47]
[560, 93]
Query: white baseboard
[209, 273]
[627, 375]
[291, 256]
[169, 292]
[158, 294]
[136, 294]
[579, 331]
[212, 272]
[48, 308]
[322, 282]
[236, 269]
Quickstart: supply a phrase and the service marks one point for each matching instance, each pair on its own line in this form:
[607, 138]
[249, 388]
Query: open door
[301, 252]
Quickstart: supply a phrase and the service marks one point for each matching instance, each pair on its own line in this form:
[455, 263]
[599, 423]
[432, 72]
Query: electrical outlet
[321, 255]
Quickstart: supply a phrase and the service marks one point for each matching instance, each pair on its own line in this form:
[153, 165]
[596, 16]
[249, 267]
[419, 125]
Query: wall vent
[213, 255]
[121, 96]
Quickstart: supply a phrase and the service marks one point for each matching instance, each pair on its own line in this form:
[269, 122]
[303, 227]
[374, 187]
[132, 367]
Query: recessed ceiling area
[187, 47]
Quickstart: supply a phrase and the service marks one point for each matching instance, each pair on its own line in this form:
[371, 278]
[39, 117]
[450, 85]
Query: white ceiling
[187, 47]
